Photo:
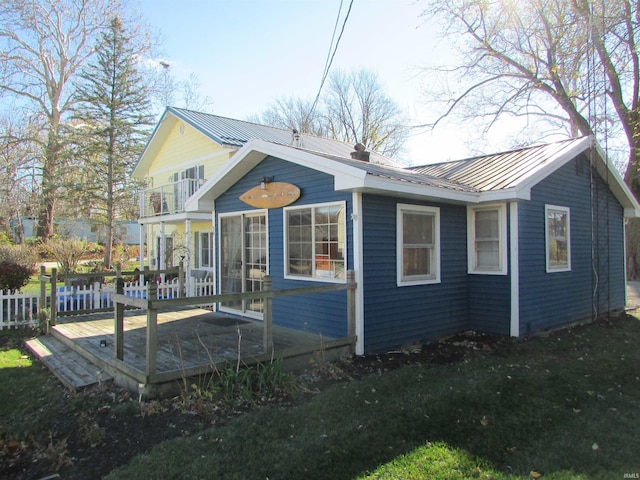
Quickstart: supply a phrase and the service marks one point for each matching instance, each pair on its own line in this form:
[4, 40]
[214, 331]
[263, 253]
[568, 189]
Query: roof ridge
[261, 125]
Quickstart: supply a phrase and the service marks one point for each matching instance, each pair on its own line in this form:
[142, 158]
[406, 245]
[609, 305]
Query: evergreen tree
[113, 121]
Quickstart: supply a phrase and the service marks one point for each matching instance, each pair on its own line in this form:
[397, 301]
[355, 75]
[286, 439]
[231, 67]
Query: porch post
[141, 241]
[181, 279]
[267, 340]
[152, 330]
[118, 328]
[54, 300]
[162, 263]
[42, 302]
[188, 239]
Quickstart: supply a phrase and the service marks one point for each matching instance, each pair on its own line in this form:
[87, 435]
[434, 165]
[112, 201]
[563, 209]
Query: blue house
[510, 244]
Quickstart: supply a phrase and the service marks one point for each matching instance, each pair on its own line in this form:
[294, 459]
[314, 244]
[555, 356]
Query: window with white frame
[315, 241]
[418, 244]
[558, 238]
[487, 239]
[203, 249]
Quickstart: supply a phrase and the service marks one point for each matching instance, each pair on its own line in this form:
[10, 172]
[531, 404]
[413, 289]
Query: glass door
[243, 259]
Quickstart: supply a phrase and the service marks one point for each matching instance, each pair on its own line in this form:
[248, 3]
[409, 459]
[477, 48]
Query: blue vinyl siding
[549, 300]
[490, 303]
[490, 299]
[397, 316]
[325, 313]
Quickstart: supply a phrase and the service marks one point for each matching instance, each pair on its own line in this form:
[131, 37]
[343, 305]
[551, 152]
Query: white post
[97, 297]
[188, 243]
[162, 264]
[141, 241]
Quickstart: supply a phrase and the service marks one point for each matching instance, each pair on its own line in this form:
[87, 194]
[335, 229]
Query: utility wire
[330, 55]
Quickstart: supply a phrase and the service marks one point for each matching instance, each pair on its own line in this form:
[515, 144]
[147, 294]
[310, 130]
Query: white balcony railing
[169, 198]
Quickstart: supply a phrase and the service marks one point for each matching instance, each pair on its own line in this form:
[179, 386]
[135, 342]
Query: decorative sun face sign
[271, 195]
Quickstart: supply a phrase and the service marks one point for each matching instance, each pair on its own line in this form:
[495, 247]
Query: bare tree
[292, 113]
[355, 108]
[43, 44]
[192, 99]
[18, 187]
[358, 110]
[571, 64]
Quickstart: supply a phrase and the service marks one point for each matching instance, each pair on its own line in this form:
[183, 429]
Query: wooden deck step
[72, 369]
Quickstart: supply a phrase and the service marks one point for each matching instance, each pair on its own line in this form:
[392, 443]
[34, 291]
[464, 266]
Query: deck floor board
[188, 338]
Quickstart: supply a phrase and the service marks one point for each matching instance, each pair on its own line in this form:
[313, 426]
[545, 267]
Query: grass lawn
[564, 407]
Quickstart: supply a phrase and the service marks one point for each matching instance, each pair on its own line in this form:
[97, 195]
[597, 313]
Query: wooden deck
[190, 342]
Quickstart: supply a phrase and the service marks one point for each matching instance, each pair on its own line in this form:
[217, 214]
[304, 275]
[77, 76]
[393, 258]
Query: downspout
[358, 261]
[514, 252]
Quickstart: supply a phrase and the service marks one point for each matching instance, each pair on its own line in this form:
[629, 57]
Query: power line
[330, 55]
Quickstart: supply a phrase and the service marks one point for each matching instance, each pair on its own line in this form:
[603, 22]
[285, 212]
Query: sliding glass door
[243, 259]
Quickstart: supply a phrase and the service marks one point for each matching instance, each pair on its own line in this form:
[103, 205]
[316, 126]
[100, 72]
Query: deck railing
[169, 198]
[153, 303]
[89, 292]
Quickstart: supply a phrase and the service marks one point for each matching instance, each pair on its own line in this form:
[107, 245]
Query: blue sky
[247, 53]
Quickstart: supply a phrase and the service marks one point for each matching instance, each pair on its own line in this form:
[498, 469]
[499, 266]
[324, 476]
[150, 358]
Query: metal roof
[404, 175]
[235, 133]
[504, 170]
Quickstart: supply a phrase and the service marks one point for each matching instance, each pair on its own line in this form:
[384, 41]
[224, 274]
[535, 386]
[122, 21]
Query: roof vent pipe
[295, 138]
[360, 153]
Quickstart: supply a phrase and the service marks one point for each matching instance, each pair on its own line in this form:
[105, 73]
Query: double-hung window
[558, 238]
[315, 242]
[418, 244]
[203, 248]
[487, 239]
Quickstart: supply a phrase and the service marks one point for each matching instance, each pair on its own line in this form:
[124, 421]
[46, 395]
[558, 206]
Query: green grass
[31, 399]
[566, 406]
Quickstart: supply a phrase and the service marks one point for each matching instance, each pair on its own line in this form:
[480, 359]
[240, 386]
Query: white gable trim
[346, 177]
[254, 152]
[617, 185]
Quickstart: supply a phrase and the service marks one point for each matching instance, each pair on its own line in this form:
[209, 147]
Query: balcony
[168, 199]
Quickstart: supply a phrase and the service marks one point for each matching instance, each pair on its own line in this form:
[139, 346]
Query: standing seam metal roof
[404, 175]
[235, 133]
[501, 170]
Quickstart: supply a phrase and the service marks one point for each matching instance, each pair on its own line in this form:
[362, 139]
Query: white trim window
[203, 250]
[315, 242]
[418, 244]
[557, 238]
[487, 239]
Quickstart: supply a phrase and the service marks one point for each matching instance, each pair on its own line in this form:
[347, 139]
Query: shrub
[68, 253]
[20, 254]
[17, 264]
[14, 276]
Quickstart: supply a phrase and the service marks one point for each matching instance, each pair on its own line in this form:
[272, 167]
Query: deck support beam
[152, 331]
[267, 315]
[118, 329]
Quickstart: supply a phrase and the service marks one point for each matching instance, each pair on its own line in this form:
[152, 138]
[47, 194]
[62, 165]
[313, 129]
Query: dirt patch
[106, 427]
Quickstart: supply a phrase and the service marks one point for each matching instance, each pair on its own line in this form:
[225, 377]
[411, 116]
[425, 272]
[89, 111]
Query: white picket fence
[20, 309]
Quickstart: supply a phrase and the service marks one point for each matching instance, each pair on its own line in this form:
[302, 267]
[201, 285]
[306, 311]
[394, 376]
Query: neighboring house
[125, 232]
[512, 243]
[184, 150]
